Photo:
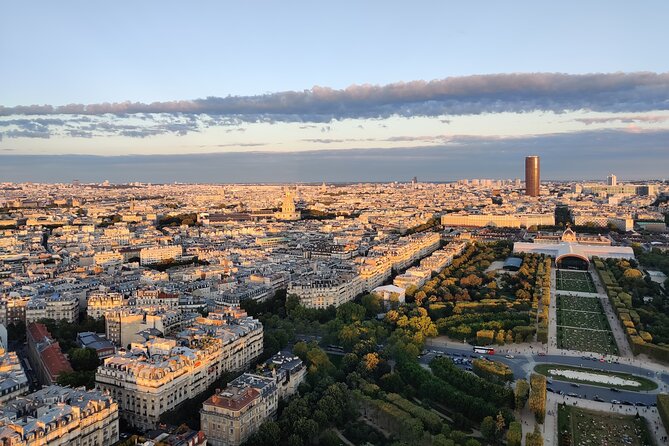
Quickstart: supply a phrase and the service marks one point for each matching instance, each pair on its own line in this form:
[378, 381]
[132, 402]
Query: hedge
[538, 396]
[663, 409]
[492, 370]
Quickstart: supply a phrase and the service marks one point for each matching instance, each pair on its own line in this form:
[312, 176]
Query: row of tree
[538, 396]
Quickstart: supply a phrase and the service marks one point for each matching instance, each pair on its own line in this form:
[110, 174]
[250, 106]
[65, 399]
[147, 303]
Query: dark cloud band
[615, 92]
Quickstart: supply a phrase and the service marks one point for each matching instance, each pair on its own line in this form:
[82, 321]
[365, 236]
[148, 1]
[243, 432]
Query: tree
[411, 430]
[350, 312]
[410, 291]
[84, 358]
[534, 438]
[521, 393]
[77, 379]
[372, 304]
[538, 396]
[306, 428]
[419, 297]
[370, 361]
[488, 429]
[500, 425]
[442, 440]
[268, 433]
[300, 350]
[514, 435]
[632, 273]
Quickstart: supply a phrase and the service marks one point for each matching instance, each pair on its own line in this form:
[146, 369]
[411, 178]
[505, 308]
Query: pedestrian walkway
[624, 349]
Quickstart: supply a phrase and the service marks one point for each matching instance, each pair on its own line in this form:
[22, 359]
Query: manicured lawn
[597, 341]
[582, 319]
[567, 302]
[583, 427]
[646, 384]
[574, 281]
[581, 325]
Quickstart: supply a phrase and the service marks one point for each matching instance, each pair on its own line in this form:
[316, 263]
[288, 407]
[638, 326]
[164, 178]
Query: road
[523, 365]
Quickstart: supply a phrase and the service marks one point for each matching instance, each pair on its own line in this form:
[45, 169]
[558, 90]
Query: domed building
[572, 251]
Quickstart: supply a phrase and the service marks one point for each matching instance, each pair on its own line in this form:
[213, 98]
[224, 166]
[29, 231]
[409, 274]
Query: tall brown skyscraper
[532, 176]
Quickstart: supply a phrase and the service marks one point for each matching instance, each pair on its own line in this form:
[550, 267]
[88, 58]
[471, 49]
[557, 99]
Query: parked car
[598, 398]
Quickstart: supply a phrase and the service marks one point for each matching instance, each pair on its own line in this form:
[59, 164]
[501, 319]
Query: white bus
[484, 350]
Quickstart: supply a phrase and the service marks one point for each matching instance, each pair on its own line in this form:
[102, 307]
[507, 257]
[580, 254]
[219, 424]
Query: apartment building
[155, 376]
[13, 379]
[126, 325]
[498, 220]
[44, 353]
[100, 302]
[60, 416]
[13, 309]
[317, 290]
[155, 298]
[159, 254]
[57, 307]
[231, 416]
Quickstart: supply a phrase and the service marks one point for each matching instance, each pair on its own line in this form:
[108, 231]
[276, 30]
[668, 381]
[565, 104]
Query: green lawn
[582, 319]
[596, 341]
[581, 325]
[583, 427]
[646, 384]
[579, 281]
[566, 302]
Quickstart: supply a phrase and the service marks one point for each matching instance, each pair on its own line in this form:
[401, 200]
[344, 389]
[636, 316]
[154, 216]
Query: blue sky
[82, 52]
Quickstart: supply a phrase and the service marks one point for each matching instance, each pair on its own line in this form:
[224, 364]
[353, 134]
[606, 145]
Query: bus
[484, 350]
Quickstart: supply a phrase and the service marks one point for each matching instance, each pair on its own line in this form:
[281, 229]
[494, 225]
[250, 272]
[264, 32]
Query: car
[439, 356]
[598, 398]
[575, 385]
[509, 356]
[573, 395]
[615, 402]
[627, 403]
[613, 389]
[640, 404]
[472, 356]
[561, 392]
[542, 353]
[549, 389]
[585, 357]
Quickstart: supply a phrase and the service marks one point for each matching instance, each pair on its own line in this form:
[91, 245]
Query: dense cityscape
[471, 312]
[376, 223]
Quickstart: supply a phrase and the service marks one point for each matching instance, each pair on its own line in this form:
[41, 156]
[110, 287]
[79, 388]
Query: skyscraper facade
[532, 178]
[611, 180]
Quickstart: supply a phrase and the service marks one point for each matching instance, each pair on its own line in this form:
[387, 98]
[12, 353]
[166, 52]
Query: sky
[340, 91]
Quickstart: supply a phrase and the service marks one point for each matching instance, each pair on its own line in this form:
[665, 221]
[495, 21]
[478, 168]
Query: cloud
[494, 93]
[628, 119]
[135, 126]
